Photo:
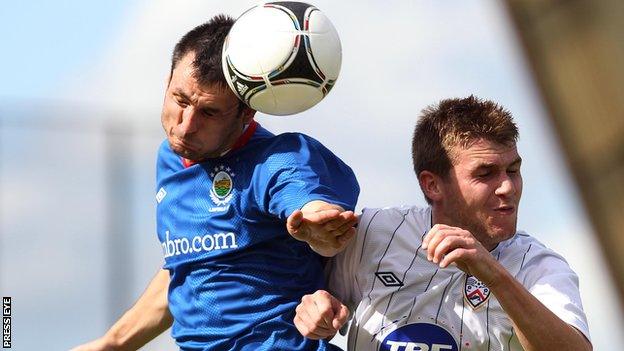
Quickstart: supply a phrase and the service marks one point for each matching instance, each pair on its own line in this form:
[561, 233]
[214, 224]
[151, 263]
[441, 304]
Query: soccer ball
[282, 58]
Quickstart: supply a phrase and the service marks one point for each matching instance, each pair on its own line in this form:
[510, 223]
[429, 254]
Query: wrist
[320, 205]
[325, 253]
[500, 278]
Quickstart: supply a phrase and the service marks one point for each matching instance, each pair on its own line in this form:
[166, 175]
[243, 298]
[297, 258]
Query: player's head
[205, 42]
[465, 158]
[201, 116]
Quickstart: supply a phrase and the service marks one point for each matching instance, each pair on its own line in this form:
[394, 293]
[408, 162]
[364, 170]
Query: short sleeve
[303, 170]
[551, 280]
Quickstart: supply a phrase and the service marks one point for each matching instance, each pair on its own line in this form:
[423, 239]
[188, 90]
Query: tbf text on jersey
[236, 274]
[404, 302]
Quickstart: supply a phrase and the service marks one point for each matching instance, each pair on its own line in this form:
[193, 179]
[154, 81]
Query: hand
[327, 230]
[446, 245]
[320, 315]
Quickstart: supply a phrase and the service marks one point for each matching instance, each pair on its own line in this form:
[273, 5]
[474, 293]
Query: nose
[507, 187]
[188, 121]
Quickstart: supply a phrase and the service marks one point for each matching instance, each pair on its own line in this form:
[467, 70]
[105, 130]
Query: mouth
[505, 210]
[180, 144]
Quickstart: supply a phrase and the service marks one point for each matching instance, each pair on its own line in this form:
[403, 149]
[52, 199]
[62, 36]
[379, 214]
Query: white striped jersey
[403, 302]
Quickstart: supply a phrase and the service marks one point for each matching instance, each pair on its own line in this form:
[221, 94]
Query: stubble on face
[482, 191]
[200, 121]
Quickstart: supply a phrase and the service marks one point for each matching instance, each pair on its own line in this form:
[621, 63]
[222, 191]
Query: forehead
[184, 82]
[486, 152]
[184, 69]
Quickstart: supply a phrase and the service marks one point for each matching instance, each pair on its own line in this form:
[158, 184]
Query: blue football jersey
[236, 273]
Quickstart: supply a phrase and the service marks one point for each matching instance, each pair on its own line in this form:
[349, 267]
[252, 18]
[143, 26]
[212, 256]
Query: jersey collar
[242, 140]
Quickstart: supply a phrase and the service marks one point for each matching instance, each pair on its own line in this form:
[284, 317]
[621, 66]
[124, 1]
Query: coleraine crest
[222, 185]
[475, 292]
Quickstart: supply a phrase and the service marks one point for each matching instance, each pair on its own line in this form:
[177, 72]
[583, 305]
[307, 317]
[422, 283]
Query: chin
[189, 155]
[503, 232]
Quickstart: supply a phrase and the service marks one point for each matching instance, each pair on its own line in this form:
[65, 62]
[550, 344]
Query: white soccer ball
[282, 58]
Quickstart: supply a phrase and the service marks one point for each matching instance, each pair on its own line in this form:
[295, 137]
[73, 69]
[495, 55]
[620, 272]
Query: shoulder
[379, 222]
[296, 140]
[524, 242]
[296, 149]
[167, 159]
[535, 257]
[420, 216]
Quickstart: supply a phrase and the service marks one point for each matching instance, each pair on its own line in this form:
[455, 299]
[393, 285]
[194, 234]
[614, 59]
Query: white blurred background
[80, 124]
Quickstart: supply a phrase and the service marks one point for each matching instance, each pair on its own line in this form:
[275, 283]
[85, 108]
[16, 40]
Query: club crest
[475, 292]
[222, 185]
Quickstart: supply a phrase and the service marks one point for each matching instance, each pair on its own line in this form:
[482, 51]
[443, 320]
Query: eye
[179, 101]
[484, 174]
[208, 113]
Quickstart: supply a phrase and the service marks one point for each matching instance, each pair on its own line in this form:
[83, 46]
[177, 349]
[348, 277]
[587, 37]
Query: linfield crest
[222, 185]
[475, 292]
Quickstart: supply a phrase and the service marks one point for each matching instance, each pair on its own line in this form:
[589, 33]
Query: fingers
[341, 314]
[326, 231]
[344, 239]
[294, 226]
[453, 257]
[341, 222]
[442, 240]
[432, 233]
[437, 233]
[321, 217]
[315, 315]
[309, 331]
[340, 226]
[324, 311]
[293, 222]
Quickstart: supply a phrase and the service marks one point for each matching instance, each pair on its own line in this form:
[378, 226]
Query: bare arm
[537, 327]
[326, 227]
[147, 319]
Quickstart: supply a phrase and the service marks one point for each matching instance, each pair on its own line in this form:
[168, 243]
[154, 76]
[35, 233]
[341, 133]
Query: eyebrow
[180, 92]
[482, 165]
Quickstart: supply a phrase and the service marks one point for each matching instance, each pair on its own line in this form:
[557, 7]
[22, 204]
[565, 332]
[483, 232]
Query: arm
[147, 319]
[525, 310]
[537, 327]
[326, 227]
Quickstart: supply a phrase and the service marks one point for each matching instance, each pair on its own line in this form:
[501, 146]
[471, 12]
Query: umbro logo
[161, 195]
[389, 279]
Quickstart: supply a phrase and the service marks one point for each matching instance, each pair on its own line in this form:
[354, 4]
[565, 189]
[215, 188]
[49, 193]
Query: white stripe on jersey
[384, 275]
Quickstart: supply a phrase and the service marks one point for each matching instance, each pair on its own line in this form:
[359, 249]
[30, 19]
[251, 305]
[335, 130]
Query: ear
[431, 185]
[248, 114]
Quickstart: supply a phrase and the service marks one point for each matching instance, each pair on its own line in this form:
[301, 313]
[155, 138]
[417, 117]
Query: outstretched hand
[326, 228]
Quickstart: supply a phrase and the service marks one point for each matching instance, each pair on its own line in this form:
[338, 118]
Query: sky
[73, 68]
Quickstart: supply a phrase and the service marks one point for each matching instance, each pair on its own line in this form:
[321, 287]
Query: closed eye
[180, 101]
[209, 112]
